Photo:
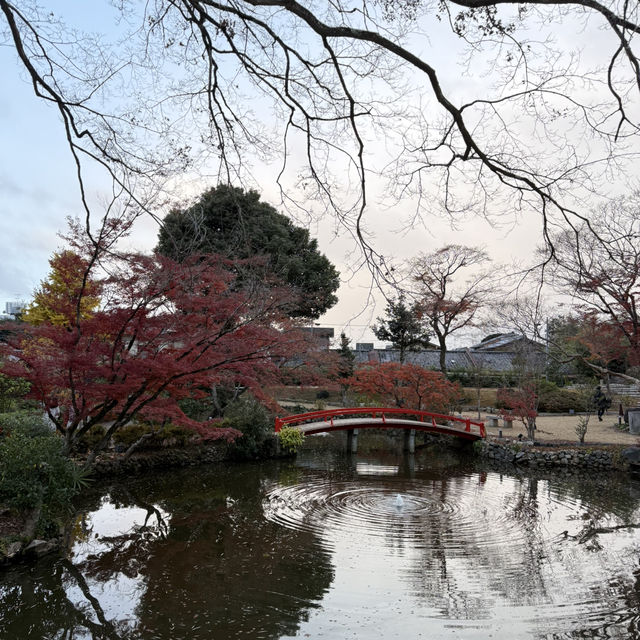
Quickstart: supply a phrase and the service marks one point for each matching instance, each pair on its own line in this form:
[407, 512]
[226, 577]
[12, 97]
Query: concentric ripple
[411, 511]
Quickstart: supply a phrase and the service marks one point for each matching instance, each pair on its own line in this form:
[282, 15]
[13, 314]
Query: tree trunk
[136, 444]
[607, 382]
[215, 401]
[93, 454]
[443, 355]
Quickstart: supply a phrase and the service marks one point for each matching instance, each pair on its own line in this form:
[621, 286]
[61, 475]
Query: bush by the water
[290, 439]
[34, 473]
[258, 438]
[90, 439]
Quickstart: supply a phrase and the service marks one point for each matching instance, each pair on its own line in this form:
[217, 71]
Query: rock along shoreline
[597, 457]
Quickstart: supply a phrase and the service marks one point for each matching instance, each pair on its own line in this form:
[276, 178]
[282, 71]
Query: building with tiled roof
[500, 354]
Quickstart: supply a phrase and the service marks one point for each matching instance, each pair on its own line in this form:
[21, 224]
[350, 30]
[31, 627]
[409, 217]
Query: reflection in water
[194, 560]
[335, 547]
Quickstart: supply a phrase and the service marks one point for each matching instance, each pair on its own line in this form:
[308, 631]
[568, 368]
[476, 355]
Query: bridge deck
[388, 423]
[379, 417]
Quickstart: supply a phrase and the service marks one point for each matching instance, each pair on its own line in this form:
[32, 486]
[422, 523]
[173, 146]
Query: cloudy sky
[38, 189]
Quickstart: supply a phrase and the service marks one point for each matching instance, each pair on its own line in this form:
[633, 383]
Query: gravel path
[562, 427]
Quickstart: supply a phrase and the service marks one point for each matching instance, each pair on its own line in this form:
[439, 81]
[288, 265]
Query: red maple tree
[598, 265]
[405, 385]
[522, 404]
[163, 331]
[444, 303]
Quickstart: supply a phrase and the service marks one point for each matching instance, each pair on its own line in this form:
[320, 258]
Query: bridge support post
[410, 440]
[352, 441]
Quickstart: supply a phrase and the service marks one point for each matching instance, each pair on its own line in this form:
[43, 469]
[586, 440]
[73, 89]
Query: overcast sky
[38, 189]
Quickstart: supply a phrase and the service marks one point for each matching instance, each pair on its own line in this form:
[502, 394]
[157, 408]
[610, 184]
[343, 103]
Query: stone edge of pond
[115, 464]
[26, 546]
[600, 457]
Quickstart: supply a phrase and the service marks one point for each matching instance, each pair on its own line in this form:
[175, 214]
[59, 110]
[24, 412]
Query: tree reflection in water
[197, 561]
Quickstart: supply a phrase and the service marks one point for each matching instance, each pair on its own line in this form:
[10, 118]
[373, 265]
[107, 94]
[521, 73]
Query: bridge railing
[328, 415]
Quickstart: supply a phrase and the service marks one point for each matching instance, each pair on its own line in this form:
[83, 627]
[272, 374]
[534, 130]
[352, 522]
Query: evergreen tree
[236, 224]
[346, 365]
[401, 326]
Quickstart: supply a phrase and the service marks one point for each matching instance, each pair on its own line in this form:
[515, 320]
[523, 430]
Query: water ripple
[412, 512]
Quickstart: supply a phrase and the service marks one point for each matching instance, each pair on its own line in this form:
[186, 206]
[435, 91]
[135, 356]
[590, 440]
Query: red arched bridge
[385, 418]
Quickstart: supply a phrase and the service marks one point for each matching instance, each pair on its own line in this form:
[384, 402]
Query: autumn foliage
[56, 301]
[164, 331]
[405, 385]
[598, 265]
[609, 342]
[520, 404]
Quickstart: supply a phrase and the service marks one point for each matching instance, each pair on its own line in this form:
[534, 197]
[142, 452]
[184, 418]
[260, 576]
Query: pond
[378, 545]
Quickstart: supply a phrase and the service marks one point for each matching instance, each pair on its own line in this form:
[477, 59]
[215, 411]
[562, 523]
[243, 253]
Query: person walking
[600, 402]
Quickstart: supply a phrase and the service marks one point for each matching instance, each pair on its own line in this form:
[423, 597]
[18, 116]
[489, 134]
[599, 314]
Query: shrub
[258, 439]
[170, 433]
[26, 422]
[482, 379]
[34, 473]
[127, 435]
[581, 428]
[12, 392]
[290, 439]
[553, 399]
[294, 408]
[323, 394]
[90, 439]
[175, 435]
[197, 408]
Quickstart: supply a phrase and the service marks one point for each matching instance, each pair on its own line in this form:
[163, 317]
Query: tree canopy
[402, 327]
[445, 304]
[341, 91]
[405, 385]
[598, 267]
[65, 293]
[163, 332]
[235, 223]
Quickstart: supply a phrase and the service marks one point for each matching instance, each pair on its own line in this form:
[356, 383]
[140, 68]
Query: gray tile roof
[457, 359]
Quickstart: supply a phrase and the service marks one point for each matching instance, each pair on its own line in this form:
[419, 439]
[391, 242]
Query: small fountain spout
[399, 501]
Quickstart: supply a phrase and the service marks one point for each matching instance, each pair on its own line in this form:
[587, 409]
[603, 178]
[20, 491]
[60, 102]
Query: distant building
[506, 342]
[14, 308]
[498, 355]
[322, 336]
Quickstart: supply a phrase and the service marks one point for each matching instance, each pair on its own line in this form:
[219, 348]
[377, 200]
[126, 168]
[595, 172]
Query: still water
[326, 546]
